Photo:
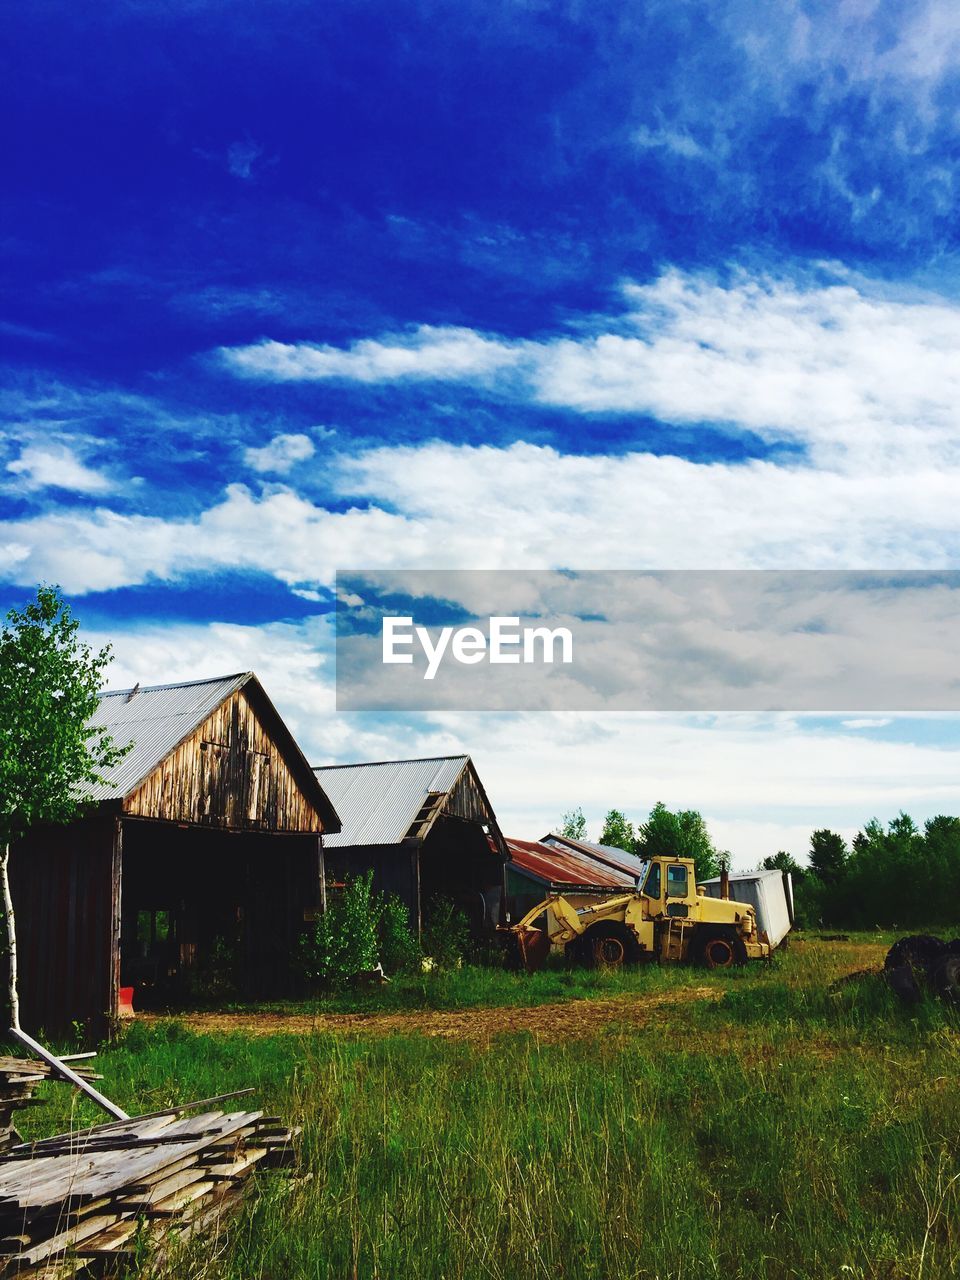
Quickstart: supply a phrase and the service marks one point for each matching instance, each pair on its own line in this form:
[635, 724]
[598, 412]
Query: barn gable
[237, 767]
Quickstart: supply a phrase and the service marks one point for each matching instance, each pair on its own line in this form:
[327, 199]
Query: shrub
[399, 949]
[344, 941]
[446, 933]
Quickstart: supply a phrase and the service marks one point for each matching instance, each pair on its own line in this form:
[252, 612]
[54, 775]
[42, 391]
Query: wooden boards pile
[82, 1197]
[19, 1078]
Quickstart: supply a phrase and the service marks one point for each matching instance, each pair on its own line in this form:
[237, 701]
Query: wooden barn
[199, 858]
[425, 828]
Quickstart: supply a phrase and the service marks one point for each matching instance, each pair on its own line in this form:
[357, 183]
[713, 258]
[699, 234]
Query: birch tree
[49, 691]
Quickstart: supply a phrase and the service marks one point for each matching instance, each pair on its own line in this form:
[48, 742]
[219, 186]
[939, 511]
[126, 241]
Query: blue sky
[300, 287]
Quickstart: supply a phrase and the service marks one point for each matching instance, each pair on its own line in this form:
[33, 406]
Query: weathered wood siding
[466, 799]
[66, 890]
[229, 773]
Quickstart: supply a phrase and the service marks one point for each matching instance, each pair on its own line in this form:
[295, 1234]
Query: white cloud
[280, 454]
[56, 466]
[443, 353]
[866, 723]
[855, 377]
[680, 143]
[438, 506]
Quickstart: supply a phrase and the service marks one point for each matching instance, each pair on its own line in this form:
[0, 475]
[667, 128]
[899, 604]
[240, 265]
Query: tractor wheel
[945, 978]
[919, 949]
[902, 981]
[606, 946]
[720, 949]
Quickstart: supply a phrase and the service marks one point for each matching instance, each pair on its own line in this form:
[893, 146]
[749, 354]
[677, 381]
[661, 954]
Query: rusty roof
[631, 864]
[559, 867]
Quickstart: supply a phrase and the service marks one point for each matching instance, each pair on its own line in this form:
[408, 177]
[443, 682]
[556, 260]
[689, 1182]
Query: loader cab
[671, 886]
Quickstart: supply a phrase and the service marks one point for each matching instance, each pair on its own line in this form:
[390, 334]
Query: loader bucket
[534, 947]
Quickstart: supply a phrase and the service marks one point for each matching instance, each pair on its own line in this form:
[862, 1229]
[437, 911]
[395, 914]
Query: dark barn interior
[199, 916]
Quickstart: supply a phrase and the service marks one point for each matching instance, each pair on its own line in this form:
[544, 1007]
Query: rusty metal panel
[556, 867]
[631, 863]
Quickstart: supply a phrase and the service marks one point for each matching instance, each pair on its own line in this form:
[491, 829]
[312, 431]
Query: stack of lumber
[81, 1197]
[19, 1078]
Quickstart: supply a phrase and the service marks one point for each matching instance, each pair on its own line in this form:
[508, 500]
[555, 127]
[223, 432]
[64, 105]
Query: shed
[422, 827]
[538, 868]
[770, 893]
[198, 858]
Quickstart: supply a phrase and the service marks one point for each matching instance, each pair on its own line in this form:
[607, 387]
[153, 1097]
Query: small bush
[344, 942]
[446, 933]
[399, 950]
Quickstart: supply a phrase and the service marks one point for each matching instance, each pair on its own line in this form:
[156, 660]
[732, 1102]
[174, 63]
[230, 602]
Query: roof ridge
[174, 684]
[366, 764]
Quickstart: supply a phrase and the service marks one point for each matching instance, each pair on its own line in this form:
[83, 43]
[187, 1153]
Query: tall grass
[785, 1131]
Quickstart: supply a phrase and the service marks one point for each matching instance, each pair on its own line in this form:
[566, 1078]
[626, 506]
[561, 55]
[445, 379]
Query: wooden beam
[66, 1073]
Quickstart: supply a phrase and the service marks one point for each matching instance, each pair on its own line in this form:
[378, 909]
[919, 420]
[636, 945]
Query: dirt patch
[569, 1020]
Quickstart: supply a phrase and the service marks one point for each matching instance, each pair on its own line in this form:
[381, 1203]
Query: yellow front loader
[667, 919]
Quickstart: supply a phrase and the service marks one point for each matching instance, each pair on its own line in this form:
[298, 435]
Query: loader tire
[945, 979]
[919, 949]
[607, 946]
[719, 949]
[902, 981]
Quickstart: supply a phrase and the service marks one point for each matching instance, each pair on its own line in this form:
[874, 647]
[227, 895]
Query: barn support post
[116, 883]
[322, 876]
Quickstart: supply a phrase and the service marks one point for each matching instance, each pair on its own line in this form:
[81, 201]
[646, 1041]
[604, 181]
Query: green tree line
[680, 833]
[902, 876]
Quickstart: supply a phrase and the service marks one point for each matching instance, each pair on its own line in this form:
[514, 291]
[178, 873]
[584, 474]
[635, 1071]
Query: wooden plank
[69, 1074]
[81, 1177]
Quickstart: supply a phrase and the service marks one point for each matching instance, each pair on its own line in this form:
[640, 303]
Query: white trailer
[770, 893]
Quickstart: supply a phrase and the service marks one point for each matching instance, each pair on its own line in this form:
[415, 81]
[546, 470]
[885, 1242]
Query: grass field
[659, 1124]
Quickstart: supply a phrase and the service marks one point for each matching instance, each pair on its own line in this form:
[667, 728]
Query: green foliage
[782, 861]
[679, 835]
[446, 932]
[574, 825]
[901, 876]
[828, 856]
[345, 941]
[399, 949]
[216, 976]
[618, 832]
[49, 689]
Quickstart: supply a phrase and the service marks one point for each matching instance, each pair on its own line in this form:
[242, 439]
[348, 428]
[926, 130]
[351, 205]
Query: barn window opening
[155, 930]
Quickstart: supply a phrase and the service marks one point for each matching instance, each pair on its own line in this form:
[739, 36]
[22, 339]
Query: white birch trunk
[12, 989]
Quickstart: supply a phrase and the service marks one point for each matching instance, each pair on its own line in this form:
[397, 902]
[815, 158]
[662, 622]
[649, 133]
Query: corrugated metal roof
[559, 866]
[154, 720]
[631, 863]
[378, 801]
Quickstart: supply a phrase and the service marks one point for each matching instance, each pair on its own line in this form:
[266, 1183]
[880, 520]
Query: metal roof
[154, 720]
[631, 863]
[557, 866]
[378, 801]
